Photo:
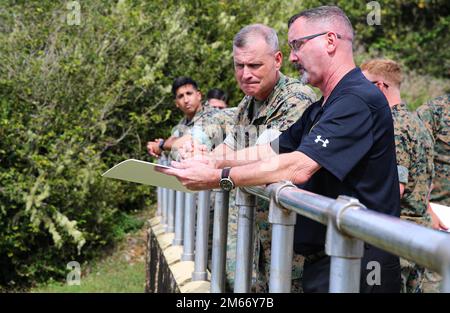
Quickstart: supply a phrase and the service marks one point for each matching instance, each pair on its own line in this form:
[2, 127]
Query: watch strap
[226, 172]
[161, 144]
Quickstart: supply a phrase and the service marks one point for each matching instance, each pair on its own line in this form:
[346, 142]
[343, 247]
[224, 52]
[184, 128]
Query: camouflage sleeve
[213, 129]
[298, 100]
[236, 116]
[402, 148]
[426, 115]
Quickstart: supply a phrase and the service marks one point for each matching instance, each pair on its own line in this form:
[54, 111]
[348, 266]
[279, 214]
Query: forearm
[172, 141]
[177, 142]
[249, 155]
[294, 166]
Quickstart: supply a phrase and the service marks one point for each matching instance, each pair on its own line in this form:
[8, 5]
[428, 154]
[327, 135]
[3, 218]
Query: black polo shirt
[352, 138]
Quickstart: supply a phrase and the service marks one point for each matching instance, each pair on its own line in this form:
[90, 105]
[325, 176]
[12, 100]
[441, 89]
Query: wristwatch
[225, 181]
[161, 144]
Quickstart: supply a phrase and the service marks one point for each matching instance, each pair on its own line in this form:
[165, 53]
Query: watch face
[226, 184]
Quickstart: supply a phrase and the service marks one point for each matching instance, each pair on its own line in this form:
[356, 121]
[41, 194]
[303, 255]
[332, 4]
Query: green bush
[77, 99]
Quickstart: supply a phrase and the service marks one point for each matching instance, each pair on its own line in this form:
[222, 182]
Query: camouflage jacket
[208, 126]
[436, 116]
[414, 150]
[231, 112]
[281, 109]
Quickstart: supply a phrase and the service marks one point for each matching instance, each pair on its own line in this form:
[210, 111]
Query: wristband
[161, 144]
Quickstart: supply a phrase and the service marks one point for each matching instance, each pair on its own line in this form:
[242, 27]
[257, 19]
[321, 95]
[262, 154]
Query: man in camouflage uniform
[272, 102]
[201, 122]
[436, 116]
[414, 151]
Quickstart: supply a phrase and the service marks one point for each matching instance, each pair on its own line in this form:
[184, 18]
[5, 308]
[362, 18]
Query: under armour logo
[324, 142]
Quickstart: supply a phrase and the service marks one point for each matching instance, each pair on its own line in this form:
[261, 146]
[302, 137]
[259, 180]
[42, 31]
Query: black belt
[311, 258]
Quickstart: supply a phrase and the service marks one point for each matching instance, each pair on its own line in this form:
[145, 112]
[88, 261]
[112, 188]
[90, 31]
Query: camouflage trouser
[431, 282]
[261, 251]
[412, 277]
[417, 279]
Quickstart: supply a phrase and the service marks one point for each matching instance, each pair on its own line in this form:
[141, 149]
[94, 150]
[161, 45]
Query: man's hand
[436, 221]
[192, 151]
[194, 175]
[153, 147]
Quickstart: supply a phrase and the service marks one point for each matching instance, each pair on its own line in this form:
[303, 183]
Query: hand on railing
[192, 151]
[436, 221]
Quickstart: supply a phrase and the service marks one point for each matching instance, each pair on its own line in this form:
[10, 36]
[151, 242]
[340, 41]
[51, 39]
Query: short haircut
[388, 69]
[242, 38]
[216, 93]
[331, 14]
[182, 81]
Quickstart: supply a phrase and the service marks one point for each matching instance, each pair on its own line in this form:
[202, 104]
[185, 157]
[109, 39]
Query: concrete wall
[165, 272]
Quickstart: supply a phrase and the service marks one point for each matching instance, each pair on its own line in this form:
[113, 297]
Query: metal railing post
[201, 242]
[444, 253]
[445, 287]
[179, 219]
[346, 252]
[170, 206]
[245, 203]
[282, 249]
[171, 211]
[189, 227]
[165, 198]
[219, 244]
[159, 197]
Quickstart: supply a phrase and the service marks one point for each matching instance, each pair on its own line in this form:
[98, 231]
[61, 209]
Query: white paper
[144, 173]
[443, 212]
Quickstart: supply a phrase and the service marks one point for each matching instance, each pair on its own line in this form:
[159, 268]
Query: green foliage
[77, 99]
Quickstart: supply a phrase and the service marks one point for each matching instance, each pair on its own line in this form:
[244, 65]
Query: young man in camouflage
[205, 124]
[272, 102]
[414, 151]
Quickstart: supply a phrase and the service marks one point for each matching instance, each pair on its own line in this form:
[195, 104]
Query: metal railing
[349, 225]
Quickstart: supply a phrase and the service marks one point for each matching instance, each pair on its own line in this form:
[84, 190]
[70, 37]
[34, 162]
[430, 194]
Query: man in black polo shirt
[342, 145]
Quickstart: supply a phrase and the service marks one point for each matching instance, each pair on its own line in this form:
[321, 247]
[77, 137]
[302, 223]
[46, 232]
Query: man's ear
[278, 59]
[331, 42]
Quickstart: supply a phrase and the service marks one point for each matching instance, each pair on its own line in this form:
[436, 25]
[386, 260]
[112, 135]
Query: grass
[122, 270]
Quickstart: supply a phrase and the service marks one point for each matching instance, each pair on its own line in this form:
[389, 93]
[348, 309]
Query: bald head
[327, 18]
[250, 33]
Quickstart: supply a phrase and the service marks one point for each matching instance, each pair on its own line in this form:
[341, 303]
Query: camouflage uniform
[414, 151]
[283, 107]
[231, 112]
[436, 116]
[208, 126]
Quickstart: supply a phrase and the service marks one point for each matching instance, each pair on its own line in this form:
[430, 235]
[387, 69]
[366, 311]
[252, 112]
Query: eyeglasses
[379, 81]
[296, 44]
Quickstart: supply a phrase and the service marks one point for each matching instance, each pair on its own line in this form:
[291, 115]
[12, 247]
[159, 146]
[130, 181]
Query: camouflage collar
[270, 104]
[205, 108]
[400, 107]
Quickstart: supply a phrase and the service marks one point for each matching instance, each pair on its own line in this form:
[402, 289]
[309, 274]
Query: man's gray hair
[331, 14]
[244, 36]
